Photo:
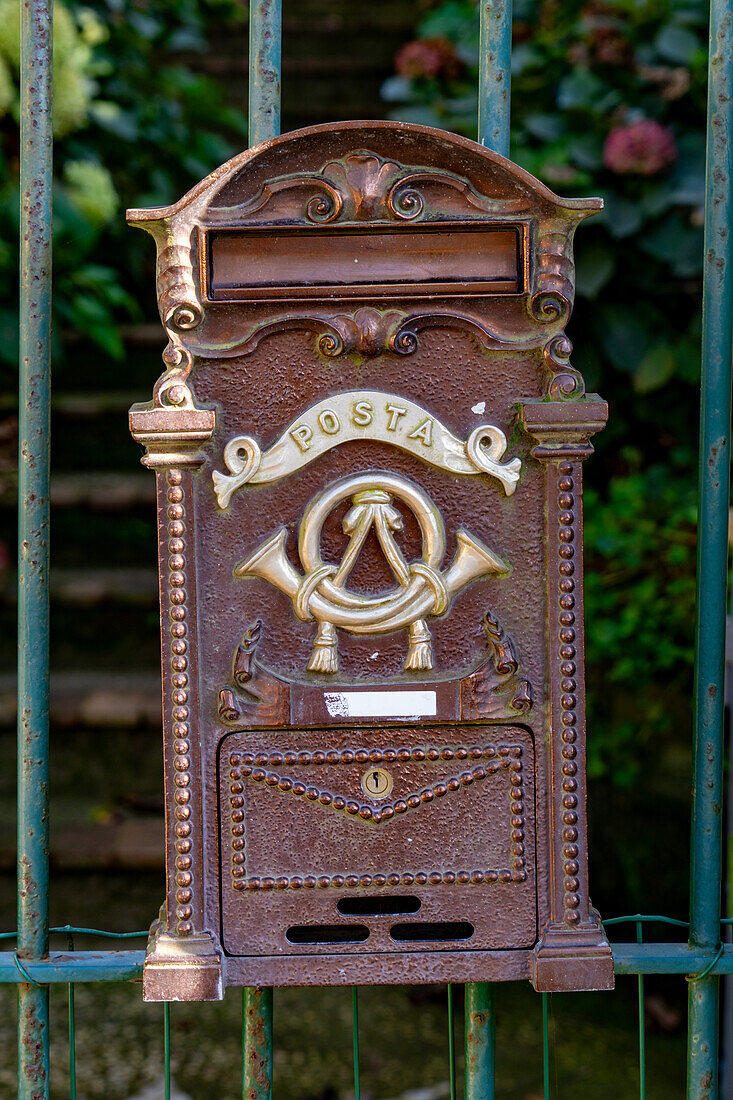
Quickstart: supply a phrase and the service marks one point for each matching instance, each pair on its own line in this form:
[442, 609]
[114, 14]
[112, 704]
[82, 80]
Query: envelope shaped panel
[377, 839]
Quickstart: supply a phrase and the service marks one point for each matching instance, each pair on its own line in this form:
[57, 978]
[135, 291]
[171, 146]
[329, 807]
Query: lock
[368, 440]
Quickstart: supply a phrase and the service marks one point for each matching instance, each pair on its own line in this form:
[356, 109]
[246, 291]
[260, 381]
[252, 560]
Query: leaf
[396, 89]
[687, 178]
[677, 44]
[621, 217]
[545, 127]
[449, 20]
[580, 89]
[586, 151]
[419, 113]
[675, 242]
[524, 57]
[595, 265]
[656, 199]
[656, 368]
[625, 335]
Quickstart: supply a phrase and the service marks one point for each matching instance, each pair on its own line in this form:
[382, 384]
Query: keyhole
[377, 783]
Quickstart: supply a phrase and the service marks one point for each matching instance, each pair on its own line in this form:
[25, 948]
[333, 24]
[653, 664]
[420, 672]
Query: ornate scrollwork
[177, 298]
[364, 415]
[548, 306]
[564, 380]
[171, 389]
[365, 187]
[555, 282]
[368, 332]
[263, 696]
[324, 206]
[494, 690]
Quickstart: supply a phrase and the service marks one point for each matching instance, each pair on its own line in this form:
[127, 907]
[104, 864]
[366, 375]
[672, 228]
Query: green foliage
[608, 97]
[640, 592]
[133, 126]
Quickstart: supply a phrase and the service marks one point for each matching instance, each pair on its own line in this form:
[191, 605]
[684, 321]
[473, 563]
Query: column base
[179, 968]
[572, 960]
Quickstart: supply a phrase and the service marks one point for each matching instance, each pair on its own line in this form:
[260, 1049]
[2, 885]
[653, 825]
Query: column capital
[563, 429]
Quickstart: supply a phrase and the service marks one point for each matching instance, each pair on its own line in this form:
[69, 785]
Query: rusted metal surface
[371, 569]
[265, 37]
[480, 1041]
[257, 1050]
[33, 535]
[494, 76]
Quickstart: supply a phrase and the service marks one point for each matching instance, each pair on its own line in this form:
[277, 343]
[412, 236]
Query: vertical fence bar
[451, 1041]
[257, 1045]
[494, 101]
[355, 1040]
[641, 1021]
[715, 424]
[494, 74]
[33, 515]
[545, 1046]
[265, 35]
[480, 1028]
[166, 1050]
[72, 1028]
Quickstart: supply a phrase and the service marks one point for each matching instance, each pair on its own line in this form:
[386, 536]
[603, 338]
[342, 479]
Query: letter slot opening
[379, 906]
[327, 933]
[432, 931]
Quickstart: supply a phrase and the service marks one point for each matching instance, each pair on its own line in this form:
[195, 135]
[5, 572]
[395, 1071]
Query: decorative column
[572, 952]
[182, 962]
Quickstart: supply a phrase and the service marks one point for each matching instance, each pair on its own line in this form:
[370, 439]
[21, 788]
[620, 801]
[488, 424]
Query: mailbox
[368, 441]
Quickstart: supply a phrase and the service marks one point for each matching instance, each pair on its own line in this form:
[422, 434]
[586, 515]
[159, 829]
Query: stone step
[94, 700]
[88, 588]
[100, 492]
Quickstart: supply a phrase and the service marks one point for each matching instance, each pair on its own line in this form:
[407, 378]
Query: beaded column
[573, 949]
[182, 961]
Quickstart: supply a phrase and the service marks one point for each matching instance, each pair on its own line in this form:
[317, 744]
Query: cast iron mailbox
[368, 443]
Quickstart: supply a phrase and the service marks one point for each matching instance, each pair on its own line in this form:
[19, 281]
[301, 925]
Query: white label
[380, 704]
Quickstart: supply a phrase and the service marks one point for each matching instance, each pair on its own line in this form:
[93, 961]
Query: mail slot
[368, 441]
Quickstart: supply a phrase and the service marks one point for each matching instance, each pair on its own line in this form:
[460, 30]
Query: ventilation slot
[327, 933]
[435, 931]
[378, 907]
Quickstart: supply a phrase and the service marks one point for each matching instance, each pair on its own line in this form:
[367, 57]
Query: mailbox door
[379, 840]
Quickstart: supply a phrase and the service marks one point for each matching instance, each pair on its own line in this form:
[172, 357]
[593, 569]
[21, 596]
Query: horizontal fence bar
[75, 966]
[669, 958]
[126, 966]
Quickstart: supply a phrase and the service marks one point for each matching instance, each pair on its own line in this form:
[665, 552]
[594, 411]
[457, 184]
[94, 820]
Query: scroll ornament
[364, 415]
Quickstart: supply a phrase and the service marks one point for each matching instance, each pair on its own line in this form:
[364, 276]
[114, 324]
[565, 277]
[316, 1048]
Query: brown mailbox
[368, 442]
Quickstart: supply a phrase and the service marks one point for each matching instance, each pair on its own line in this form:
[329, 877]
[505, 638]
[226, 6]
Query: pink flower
[428, 57]
[641, 148]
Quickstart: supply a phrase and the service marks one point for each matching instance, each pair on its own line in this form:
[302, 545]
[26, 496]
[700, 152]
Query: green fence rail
[702, 957]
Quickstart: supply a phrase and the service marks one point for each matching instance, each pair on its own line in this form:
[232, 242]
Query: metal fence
[702, 957]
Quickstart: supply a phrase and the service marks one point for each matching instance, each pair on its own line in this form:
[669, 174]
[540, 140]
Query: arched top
[365, 171]
[364, 234]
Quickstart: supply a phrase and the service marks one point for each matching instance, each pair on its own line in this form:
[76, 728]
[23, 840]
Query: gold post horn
[472, 560]
[270, 562]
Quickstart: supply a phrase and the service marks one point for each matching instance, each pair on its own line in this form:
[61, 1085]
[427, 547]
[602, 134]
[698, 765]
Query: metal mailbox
[368, 441]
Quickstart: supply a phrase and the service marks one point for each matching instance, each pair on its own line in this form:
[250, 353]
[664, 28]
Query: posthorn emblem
[421, 590]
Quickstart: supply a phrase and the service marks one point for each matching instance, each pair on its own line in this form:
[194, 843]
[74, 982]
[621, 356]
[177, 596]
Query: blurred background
[608, 98]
